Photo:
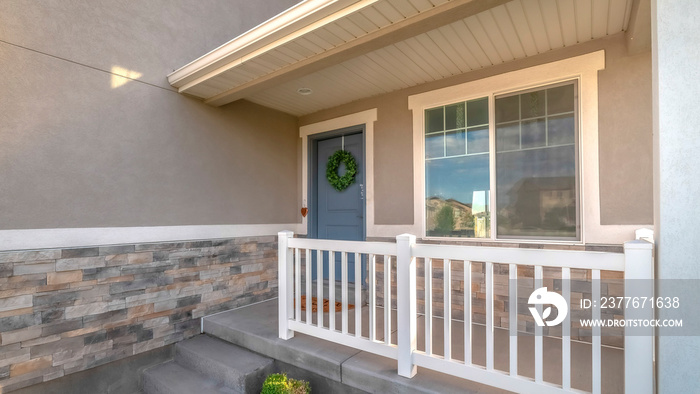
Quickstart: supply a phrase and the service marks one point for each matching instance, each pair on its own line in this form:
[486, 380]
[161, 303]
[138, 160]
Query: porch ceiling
[345, 50]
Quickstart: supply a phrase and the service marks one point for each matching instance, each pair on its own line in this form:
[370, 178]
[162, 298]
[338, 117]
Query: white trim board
[96, 236]
[583, 68]
[301, 18]
[366, 118]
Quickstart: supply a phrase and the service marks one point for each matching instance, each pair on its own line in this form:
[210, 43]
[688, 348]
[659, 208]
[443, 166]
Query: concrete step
[172, 378]
[255, 328]
[236, 368]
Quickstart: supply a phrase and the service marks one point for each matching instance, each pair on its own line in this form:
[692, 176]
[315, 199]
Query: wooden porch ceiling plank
[568, 21]
[583, 20]
[618, 15]
[552, 26]
[533, 14]
[389, 12]
[601, 12]
[517, 15]
[340, 32]
[507, 29]
[488, 22]
[408, 65]
[404, 7]
[448, 47]
[470, 42]
[399, 31]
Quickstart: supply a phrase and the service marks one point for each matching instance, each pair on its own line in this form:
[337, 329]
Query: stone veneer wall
[68, 310]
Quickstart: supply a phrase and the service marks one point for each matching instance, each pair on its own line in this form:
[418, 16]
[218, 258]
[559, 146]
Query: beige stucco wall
[624, 129]
[83, 147]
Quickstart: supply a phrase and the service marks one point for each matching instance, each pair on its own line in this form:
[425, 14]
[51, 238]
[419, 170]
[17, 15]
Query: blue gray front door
[340, 214]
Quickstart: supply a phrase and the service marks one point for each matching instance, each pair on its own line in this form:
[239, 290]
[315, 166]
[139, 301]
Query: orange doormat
[326, 304]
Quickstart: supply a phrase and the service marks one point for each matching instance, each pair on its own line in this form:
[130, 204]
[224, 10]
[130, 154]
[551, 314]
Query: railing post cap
[285, 233]
[406, 238]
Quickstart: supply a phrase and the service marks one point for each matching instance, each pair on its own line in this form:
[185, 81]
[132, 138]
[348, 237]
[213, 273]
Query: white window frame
[584, 69]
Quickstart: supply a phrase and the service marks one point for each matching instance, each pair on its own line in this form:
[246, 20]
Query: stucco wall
[624, 129]
[85, 147]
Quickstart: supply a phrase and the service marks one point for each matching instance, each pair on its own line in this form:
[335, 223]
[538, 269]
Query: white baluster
[538, 330]
[447, 303]
[344, 290]
[566, 331]
[513, 317]
[358, 295]
[331, 290]
[467, 312]
[297, 285]
[308, 286]
[319, 287]
[372, 284]
[428, 306]
[489, 315]
[387, 300]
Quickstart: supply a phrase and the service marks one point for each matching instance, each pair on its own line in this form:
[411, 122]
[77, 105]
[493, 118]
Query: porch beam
[410, 27]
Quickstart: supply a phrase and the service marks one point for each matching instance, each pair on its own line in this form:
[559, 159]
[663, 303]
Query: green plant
[278, 383]
[445, 220]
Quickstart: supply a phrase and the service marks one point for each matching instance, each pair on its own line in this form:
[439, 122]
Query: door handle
[362, 191]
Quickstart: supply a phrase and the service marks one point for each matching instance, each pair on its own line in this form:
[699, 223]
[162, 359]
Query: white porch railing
[636, 263]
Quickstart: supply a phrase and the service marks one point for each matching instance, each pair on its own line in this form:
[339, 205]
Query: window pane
[455, 143]
[536, 192]
[454, 116]
[534, 133]
[532, 104]
[457, 197]
[561, 130]
[536, 180]
[434, 145]
[507, 109]
[478, 112]
[478, 140]
[434, 120]
[508, 137]
[560, 99]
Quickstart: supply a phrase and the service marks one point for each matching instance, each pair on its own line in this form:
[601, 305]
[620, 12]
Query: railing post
[285, 269]
[406, 303]
[639, 350]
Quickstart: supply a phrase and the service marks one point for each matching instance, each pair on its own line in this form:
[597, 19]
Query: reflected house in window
[544, 205]
[448, 217]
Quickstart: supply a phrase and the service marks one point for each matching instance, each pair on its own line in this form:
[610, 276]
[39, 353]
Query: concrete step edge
[234, 366]
[172, 378]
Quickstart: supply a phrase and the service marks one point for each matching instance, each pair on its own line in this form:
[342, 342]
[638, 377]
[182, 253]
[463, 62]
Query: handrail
[635, 263]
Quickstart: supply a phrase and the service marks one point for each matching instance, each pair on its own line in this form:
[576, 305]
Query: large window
[535, 160]
[457, 169]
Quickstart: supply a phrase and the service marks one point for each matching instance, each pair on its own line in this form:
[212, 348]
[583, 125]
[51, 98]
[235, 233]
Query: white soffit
[349, 50]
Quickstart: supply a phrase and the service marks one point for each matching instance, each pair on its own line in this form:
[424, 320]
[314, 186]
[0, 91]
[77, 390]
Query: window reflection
[535, 159]
[457, 170]
[536, 164]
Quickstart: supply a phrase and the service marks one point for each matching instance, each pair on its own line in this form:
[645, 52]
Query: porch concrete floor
[255, 327]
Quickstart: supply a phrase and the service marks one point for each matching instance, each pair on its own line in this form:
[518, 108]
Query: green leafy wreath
[338, 182]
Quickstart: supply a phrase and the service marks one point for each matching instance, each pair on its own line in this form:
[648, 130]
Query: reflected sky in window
[457, 177]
